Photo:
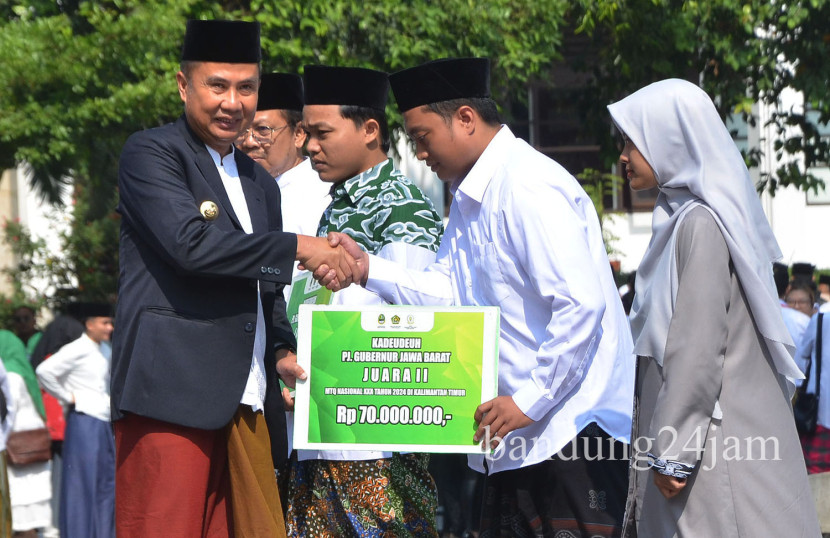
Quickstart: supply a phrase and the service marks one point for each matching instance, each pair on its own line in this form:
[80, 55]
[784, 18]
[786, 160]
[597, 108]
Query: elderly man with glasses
[275, 140]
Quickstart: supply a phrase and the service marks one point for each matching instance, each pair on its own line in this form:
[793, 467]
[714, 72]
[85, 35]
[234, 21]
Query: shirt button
[270, 270]
[249, 327]
[263, 270]
[469, 284]
[276, 271]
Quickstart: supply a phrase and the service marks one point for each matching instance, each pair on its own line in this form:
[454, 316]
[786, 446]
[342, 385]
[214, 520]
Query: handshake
[336, 261]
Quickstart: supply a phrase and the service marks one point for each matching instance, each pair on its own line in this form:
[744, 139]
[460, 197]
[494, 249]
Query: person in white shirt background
[816, 454]
[78, 375]
[795, 320]
[522, 235]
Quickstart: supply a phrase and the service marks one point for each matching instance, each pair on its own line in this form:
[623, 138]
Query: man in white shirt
[523, 235]
[78, 375]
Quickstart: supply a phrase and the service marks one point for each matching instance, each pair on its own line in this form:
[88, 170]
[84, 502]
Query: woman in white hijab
[714, 447]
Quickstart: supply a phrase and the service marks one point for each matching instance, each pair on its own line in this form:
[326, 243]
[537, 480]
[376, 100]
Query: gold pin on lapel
[209, 210]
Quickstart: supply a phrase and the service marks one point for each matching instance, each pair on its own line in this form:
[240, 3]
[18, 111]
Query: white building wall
[19, 201]
[801, 228]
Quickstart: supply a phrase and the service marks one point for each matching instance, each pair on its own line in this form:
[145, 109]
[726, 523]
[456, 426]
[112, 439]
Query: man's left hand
[289, 371]
[497, 418]
[669, 486]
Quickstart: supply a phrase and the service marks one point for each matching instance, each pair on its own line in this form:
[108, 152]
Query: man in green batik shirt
[357, 493]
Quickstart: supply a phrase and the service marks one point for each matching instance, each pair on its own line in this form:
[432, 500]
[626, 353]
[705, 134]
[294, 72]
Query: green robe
[13, 355]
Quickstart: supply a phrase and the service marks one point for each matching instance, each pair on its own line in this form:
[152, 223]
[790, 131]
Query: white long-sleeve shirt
[80, 371]
[524, 236]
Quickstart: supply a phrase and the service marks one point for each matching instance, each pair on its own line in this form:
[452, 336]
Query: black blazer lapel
[207, 167]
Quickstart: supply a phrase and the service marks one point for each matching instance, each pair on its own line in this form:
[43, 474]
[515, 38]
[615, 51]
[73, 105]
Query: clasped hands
[336, 261]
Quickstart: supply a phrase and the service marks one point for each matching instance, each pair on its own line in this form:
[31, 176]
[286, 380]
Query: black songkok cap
[353, 86]
[233, 42]
[280, 91]
[803, 269]
[94, 310]
[441, 80]
[824, 279]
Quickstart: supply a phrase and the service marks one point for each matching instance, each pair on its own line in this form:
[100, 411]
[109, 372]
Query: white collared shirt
[304, 198]
[80, 371]
[254, 394]
[524, 236]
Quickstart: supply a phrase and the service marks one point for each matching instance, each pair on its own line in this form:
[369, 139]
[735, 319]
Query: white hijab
[675, 126]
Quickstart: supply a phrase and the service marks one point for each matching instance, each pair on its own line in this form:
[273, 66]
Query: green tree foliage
[78, 77]
[740, 51]
[86, 270]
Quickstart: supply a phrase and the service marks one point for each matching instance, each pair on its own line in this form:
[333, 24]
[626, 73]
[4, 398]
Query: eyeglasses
[262, 134]
[796, 302]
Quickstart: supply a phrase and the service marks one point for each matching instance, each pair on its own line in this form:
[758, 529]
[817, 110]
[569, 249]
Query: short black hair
[187, 67]
[361, 114]
[781, 275]
[484, 106]
[803, 282]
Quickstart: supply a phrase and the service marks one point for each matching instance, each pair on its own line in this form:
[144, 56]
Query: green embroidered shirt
[381, 206]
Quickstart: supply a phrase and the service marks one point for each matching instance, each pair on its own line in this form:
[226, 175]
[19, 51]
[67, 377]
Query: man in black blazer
[202, 332]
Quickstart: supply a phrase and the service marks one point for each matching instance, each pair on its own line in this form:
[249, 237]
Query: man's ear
[371, 131]
[466, 118]
[181, 81]
[300, 136]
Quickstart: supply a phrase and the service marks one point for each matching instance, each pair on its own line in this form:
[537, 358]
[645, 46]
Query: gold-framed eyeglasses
[263, 134]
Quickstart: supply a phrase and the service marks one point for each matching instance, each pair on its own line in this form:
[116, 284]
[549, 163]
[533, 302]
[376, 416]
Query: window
[555, 127]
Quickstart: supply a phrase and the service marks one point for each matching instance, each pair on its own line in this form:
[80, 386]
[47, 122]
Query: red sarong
[177, 481]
